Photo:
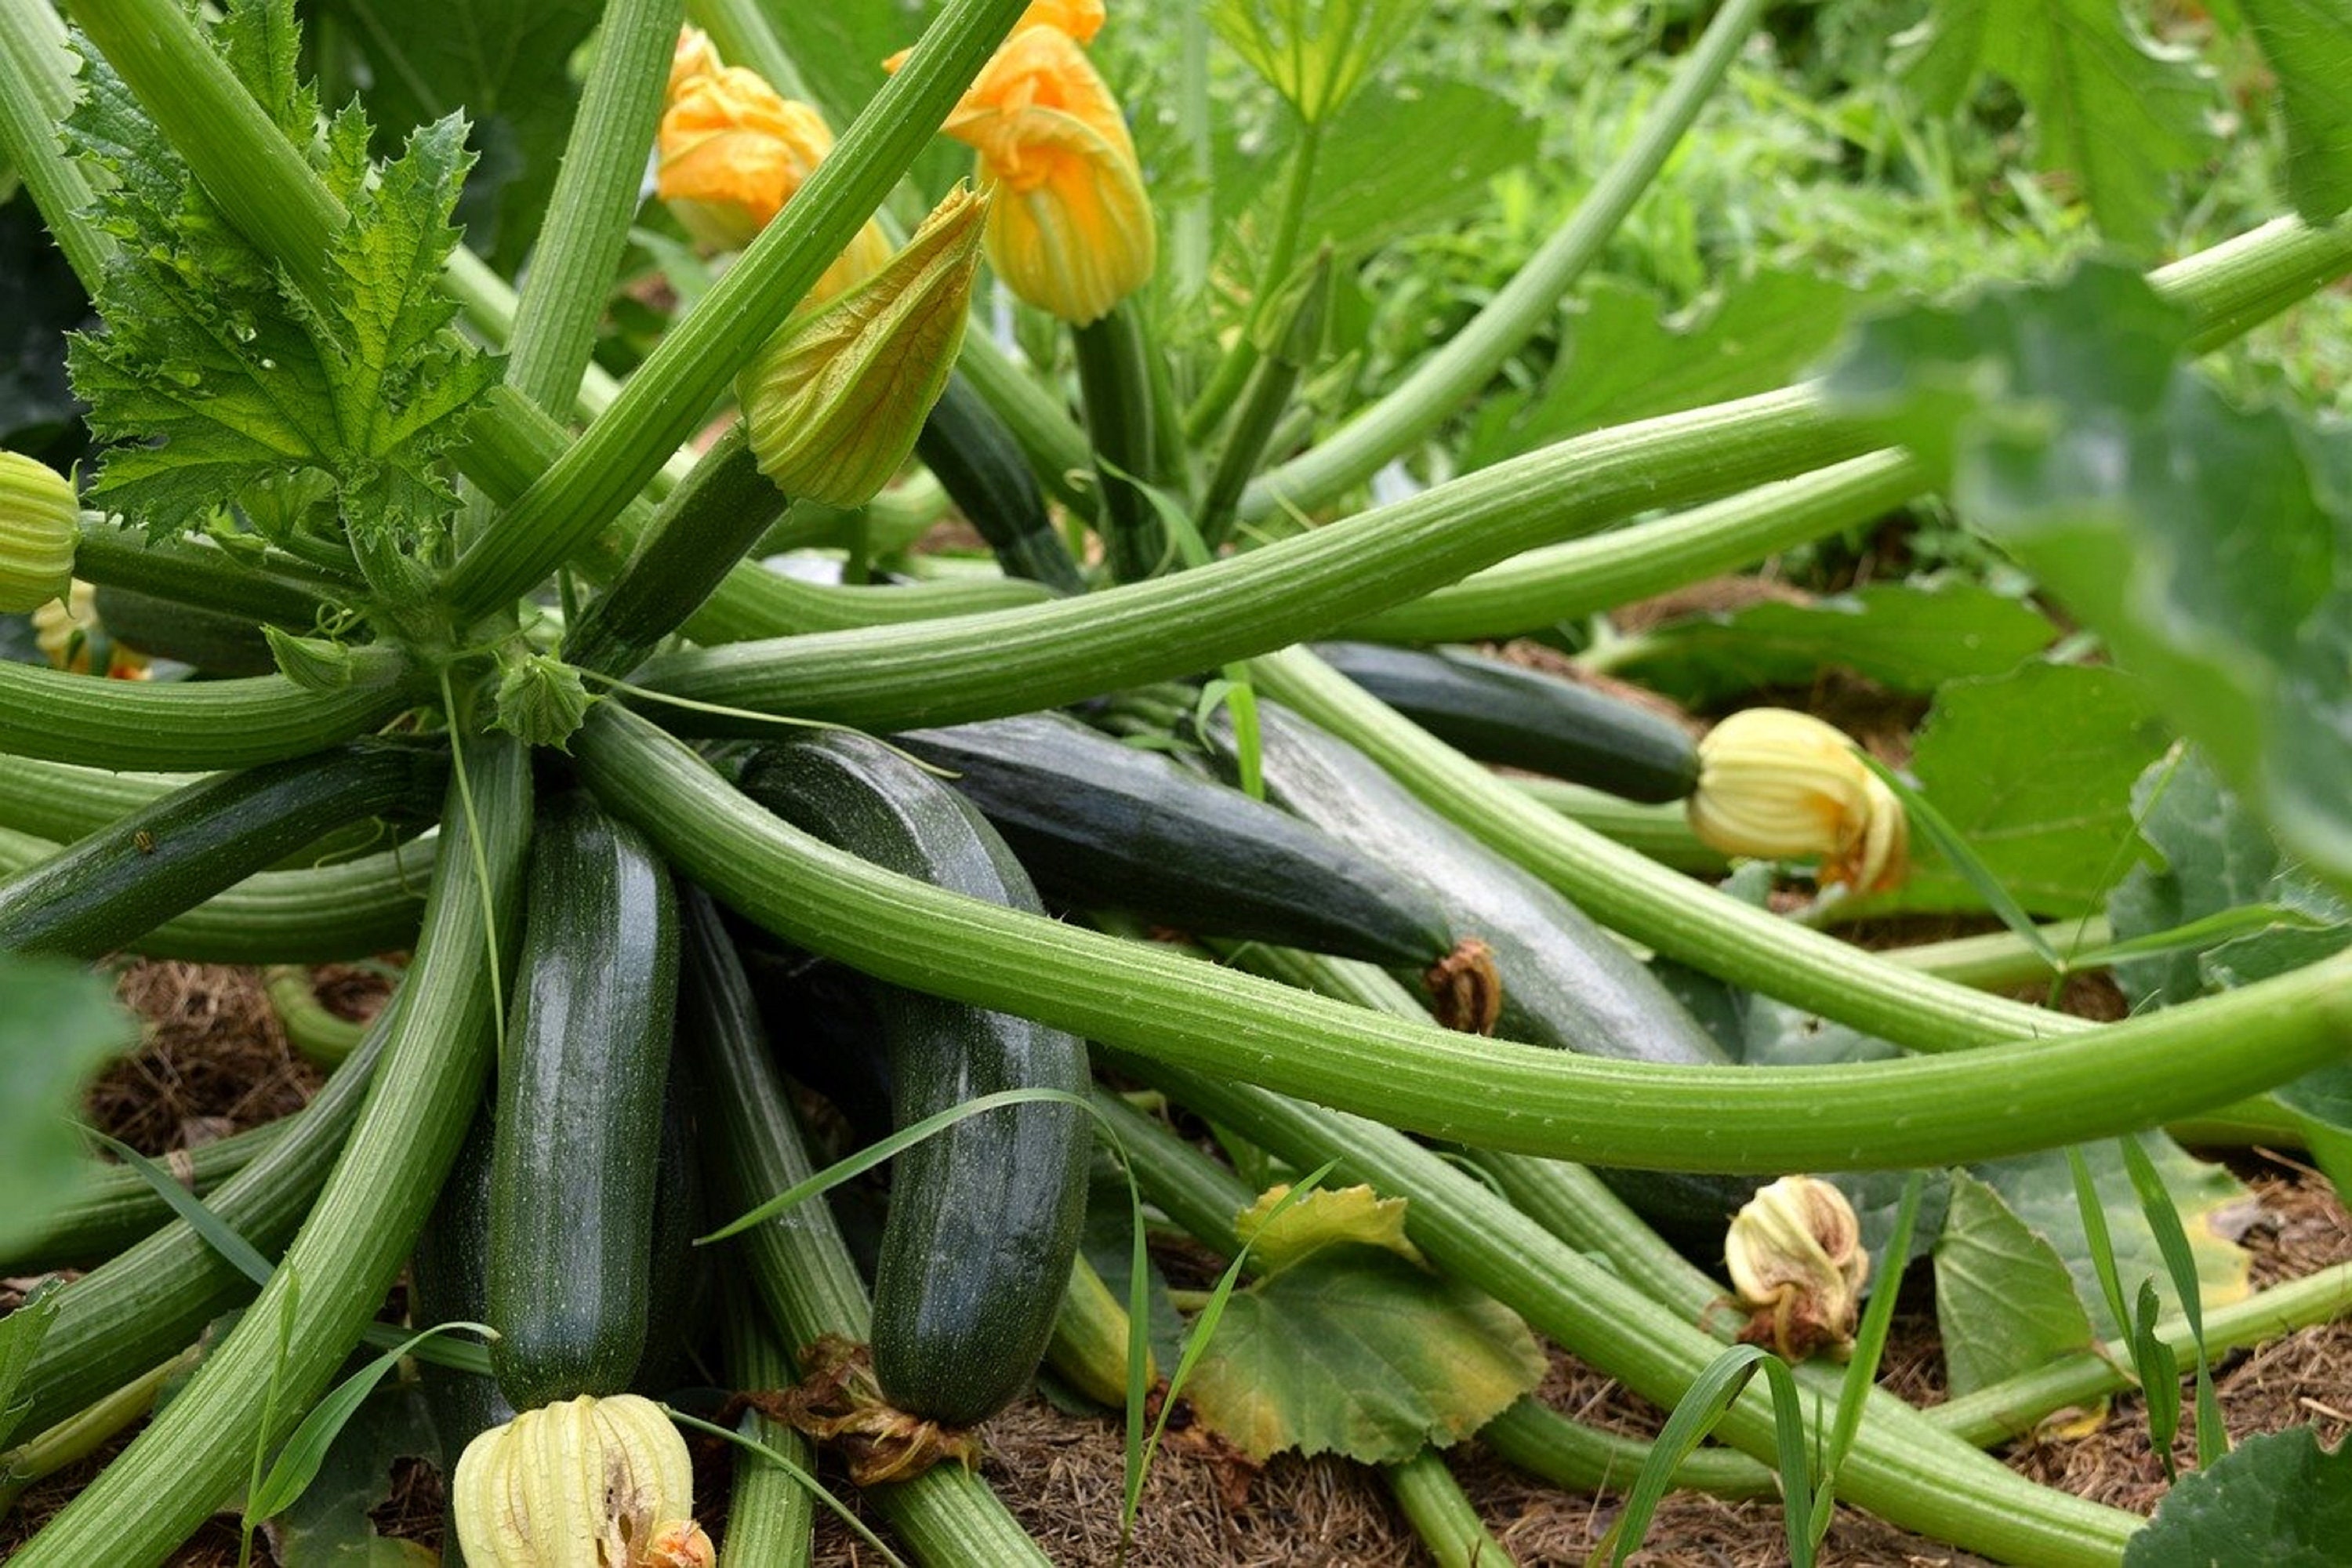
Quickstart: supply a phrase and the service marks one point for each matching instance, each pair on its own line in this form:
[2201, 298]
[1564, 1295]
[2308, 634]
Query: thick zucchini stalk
[192, 726]
[2020, 1094]
[155, 1297]
[770, 1515]
[580, 1109]
[200, 574]
[1102, 825]
[438, 1047]
[975, 457]
[799, 1268]
[62, 801]
[984, 1215]
[1901, 1467]
[1523, 717]
[114, 1205]
[117, 884]
[702, 529]
[218, 642]
[1292, 344]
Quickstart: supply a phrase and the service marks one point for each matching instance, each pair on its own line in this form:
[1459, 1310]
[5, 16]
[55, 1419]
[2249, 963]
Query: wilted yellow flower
[1071, 230]
[732, 151]
[834, 401]
[1783, 786]
[68, 632]
[585, 1483]
[40, 524]
[1797, 1265]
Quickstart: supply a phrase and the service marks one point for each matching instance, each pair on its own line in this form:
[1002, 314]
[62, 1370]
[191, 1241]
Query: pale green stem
[1232, 371]
[1450, 377]
[1430, 1496]
[38, 90]
[661, 403]
[596, 196]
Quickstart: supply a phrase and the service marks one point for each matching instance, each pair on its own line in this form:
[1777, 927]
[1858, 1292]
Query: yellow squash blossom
[695, 57]
[1071, 229]
[732, 151]
[1783, 786]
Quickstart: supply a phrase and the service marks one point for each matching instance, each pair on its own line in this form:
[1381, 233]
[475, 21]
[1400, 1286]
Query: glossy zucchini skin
[117, 884]
[984, 1217]
[980, 465]
[1523, 717]
[1107, 826]
[214, 641]
[580, 1109]
[1567, 983]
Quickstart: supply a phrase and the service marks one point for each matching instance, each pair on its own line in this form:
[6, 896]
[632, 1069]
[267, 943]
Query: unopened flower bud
[40, 522]
[732, 151]
[834, 400]
[587, 1483]
[1783, 785]
[1798, 1267]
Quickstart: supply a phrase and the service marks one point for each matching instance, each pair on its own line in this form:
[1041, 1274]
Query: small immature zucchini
[1103, 825]
[120, 882]
[580, 1109]
[1523, 717]
[965, 444]
[984, 1217]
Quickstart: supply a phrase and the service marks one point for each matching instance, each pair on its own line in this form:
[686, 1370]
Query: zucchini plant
[507, 611]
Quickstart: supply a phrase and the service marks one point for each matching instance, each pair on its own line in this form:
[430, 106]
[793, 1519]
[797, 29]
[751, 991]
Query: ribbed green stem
[1298, 587]
[1542, 1442]
[327, 1038]
[191, 572]
[799, 1268]
[770, 1515]
[1999, 959]
[1657, 908]
[437, 1047]
[2014, 1405]
[754, 602]
[1441, 1515]
[1450, 377]
[81, 1435]
[114, 1206]
[319, 916]
[661, 403]
[596, 196]
[62, 801]
[1568, 582]
[35, 93]
[136, 725]
[1232, 371]
[1055, 448]
[153, 1298]
[1901, 1467]
[1975, 1105]
[1661, 832]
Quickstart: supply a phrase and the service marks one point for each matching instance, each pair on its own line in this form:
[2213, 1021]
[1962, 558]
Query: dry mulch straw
[214, 1059]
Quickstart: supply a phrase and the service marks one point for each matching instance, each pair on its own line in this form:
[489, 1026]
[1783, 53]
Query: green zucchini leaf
[2004, 1301]
[59, 1024]
[329, 1525]
[1331, 1217]
[2279, 1499]
[1912, 637]
[2308, 44]
[2210, 545]
[2205, 855]
[1357, 1351]
[2034, 769]
[2113, 113]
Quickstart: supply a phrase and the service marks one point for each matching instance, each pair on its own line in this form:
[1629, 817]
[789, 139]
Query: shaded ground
[216, 1059]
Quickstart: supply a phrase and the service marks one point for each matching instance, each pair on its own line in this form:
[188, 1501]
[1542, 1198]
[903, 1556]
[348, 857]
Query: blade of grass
[216, 1231]
[1711, 1394]
[1869, 1344]
[253, 1486]
[2172, 1241]
[298, 1461]
[816, 1488]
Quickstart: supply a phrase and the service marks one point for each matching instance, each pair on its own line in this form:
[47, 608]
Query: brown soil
[216, 1059]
